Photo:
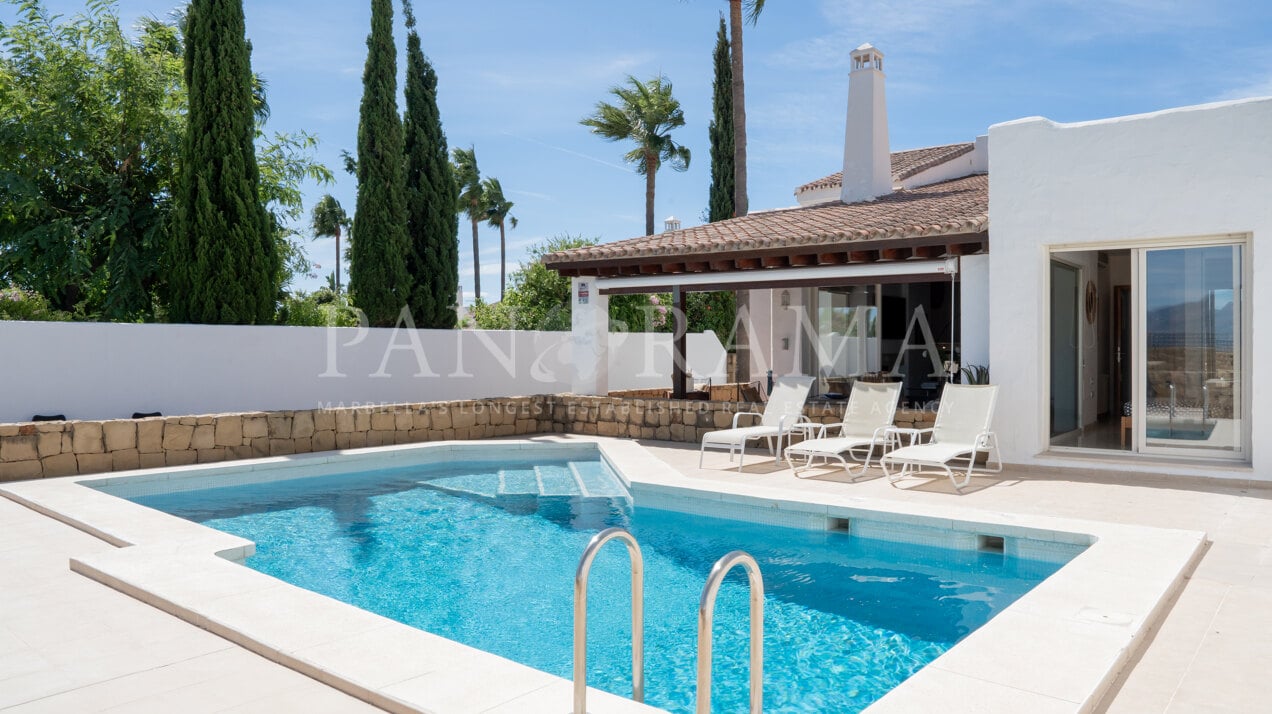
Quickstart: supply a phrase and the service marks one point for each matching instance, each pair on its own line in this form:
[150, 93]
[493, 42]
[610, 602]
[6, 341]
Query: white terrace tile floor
[69, 644]
[72, 645]
[1213, 651]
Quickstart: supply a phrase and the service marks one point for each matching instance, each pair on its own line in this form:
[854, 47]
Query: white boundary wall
[104, 370]
[1193, 172]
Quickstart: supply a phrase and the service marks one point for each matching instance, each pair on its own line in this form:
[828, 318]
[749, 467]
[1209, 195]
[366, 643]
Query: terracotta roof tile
[904, 164]
[947, 208]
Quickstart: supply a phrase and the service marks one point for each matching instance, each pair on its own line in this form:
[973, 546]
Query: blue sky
[515, 78]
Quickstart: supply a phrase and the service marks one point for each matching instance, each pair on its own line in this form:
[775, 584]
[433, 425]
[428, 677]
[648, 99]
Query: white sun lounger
[784, 409]
[961, 432]
[870, 413]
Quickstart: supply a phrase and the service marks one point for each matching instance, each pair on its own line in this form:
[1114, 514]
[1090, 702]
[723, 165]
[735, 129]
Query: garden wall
[49, 449]
[110, 371]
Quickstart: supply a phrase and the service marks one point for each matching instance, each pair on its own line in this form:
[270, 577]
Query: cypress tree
[432, 215]
[224, 265]
[720, 131]
[378, 280]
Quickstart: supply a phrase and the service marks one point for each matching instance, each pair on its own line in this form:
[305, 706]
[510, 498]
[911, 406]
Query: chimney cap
[866, 56]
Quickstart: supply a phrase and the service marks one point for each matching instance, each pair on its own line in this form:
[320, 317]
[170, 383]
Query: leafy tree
[327, 220]
[378, 279]
[720, 132]
[224, 265]
[90, 127]
[498, 209]
[431, 194]
[646, 113]
[472, 201]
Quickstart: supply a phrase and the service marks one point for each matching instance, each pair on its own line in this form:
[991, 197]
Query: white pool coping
[1056, 649]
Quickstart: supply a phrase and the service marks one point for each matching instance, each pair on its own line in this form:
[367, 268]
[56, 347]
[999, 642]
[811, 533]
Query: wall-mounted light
[786, 343]
[786, 298]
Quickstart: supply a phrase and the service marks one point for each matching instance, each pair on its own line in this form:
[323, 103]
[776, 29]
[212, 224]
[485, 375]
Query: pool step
[515, 485]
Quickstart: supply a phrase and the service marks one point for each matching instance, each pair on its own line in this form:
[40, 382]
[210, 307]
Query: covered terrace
[834, 288]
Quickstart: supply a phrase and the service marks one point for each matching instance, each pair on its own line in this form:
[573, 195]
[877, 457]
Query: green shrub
[19, 304]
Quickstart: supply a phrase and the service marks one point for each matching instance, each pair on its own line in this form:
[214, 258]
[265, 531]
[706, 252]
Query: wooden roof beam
[895, 253]
[776, 261]
[927, 252]
[863, 256]
[747, 264]
[803, 260]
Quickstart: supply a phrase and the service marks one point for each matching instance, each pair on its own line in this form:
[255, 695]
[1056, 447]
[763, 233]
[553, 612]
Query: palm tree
[645, 113]
[497, 210]
[742, 298]
[472, 201]
[328, 220]
[752, 8]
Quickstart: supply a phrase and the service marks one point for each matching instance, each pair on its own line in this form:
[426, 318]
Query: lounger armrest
[983, 439]
[742, 414]
[783, 426]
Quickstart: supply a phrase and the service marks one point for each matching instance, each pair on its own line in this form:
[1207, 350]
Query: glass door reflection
[1192, 334]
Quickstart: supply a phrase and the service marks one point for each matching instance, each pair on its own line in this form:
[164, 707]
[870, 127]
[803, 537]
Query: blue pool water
[485, 553]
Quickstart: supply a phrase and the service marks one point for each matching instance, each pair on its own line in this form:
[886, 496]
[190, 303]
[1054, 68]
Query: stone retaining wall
[49, 449]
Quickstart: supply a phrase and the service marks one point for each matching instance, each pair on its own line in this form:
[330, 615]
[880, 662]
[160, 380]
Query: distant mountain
[1170, 324]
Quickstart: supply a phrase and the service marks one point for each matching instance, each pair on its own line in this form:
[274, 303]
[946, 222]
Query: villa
[1115, 301]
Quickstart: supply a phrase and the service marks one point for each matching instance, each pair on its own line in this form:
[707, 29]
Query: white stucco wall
[973, 308]
[1191, 172]
[102, 370]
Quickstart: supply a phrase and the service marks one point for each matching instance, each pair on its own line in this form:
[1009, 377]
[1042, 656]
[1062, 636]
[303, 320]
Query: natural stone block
[205, 420]
[60, 465]
[634, 430]
[303, 425]
[505, 430]
[304, 446]
[344, 422]
[662, 433]
[382, 421]
[188, 421]
[95, 463]
[281, 447]
[19, 470]
[204, 437]
[19, 448]
[176, 436]
[86, 437]
[723, 420]
[229, 431]
[126, 459]
[260, 447]
[119, 435]
[150, 436]
[181, 457]
[448, 434]
[324, 440]
[212, 455]
[255, 427]
[362, 420]
[420, 420]
[463, 418]
[241, 452]
[324, 420]
[280, 426]
[9, 430]
[358, 439]
[151, 461]
[378, 437]
[440, 419]
[403, 420]
[401, 437]
[342, 439]
[607, 428]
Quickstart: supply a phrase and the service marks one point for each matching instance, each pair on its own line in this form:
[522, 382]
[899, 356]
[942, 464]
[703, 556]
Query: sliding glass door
[1190, 344]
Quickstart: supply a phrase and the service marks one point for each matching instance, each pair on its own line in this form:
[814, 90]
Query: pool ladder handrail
[580, 615]
[706, 615]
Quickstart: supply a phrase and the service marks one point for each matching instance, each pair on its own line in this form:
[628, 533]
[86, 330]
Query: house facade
[1114, 304]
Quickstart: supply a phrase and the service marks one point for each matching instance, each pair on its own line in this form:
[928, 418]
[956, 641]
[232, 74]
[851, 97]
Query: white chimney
[867, 162]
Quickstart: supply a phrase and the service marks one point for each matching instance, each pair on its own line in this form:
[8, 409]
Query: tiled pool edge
[974, 669]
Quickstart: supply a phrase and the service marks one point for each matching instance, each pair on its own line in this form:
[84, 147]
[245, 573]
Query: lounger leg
[741, 455]
[702, 452]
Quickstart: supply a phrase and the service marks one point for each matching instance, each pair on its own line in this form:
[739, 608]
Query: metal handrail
[706, 613]
[580, 615]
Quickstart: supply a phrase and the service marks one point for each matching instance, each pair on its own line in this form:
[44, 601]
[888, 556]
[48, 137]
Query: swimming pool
[486, 556]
